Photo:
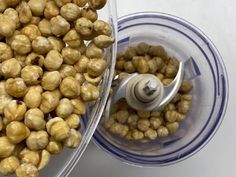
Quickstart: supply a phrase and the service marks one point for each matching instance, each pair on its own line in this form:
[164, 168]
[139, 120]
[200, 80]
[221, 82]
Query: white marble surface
[216, 18]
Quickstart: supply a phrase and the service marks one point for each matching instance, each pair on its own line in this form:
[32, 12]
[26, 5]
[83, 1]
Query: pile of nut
[145, 126]
[51, 64]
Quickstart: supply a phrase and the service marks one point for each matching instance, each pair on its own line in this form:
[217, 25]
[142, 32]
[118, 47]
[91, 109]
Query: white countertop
[216, 18]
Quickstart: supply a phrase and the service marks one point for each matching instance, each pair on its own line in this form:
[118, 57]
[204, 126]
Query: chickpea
[137, 135]
[64, 108]
[162, 132]
[34, 59]
[51, 10]
[13, 14]
[131, 53]
[70, 11]
[3, 5]
[59, 25]
[80, 3]
[41, 45]
[8, 26]
[14, 110]
[119, 129]
[50, 100]
[34, 119]
[17, 132]
[183, 106]
[158, 51]
[53, 60]
[150, 134]
[143, 66]
[29, 156]
[155, 122]
[16, 87]
[54, 147]
[143, 125]
[67, 70]
[74, 139]
[37, 140]
[186, 86]
[5, 52]
[89, 92]
[45, 27]
[84, 26]
[10, 68]
[57, 43]
[167, 81]
[51, 80]
[79, 106]
[96, 67]
[35, 20]
[9, 165]
[172, 127]
[80, 78]
[27, 170]
[103, 41]
[73, 121]
[70, 55]
[45, 158]
[132, 121]
[89, 13]
[21, 44]
[73, 39]
[33, 97]
[97, 4]
[37, 6]
[7, 147]
[31, 31]
[81, 65]
[61, 3]
[24, 12]
[31, 74]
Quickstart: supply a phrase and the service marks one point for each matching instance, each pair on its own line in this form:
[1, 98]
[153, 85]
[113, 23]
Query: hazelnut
[102, 28]
[50, 100]
[37, 140]
[64, 108]
[8, 26]
[74, 139]
[59, 25]
[54, 147]
[34, 59]
[10, 68]
[103, 41]
[67, 70]
[61, 3]
[84, 26]
[70, 87]
[41, 45]
[33, 97]
[27, 170]
[24, 12]
[89, 13]
[73, 121]
[16, 87]
[34, 119]
[80, 3]
[70, 11]
[53, 60]
[31, 74]
[57, 43]
[79, 106]
[21, 44]
[96, 67]
[13, 14]
[93, 51]
[37, 7]
[9, 165]
[5, 52]
[29, 156]
[31, 31]
[97, 4]
[14, 110]
[7, 147]
[70, 55]
[51, 80]
[45, 27]
[72, 38]
[89, 92]
[51, 10]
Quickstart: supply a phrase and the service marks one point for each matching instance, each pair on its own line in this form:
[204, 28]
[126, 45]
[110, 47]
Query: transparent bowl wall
[61, 165]
[210, 93]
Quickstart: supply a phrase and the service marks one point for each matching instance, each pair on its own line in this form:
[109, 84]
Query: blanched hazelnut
[54, 147]
[70, 87]
[34, 59]
[96, 67]
[186, 86]
[80, 3]
[143, 66]
[51, 80]
[90, 14]
[172, 127]
[92, 80]
[59, 25]
[142, 48]
[72, 38]
[152, 66]
[61, 3]
[162, 132]
[8, 26]
[120, 64]
[17, 132]
[73, 121]
[4, 99]
[150, 134]
[45, 27]
[10, 68]
[33, 97]
[102, 28]
[64, 108]
[89, 92]
[37, 140]
[67, 70]
[183, 106]
[7, 147]
[1, 124]
[16, 87]
[122, 116]
[103, 41]
[143, 124]
[155, 122]
[84, 26]
[51, 10]
[132, 121]
[97, 4]
[53, 60]
[57, 43]
[50, 100]
[9, 165]
[12, 3]
[14, 111]
[21, 44]
[27, 170]
[79, 106]
[3, 5]
[5, 52]
[167, 81]
[70, 11]
[129, 67]
[45, 158]
[34, 119]
[137, 135]
[24, 12]
[157, 51]
[70, 55]
[35, 20]
[93, 51]
[119, 129]
[31, 31]
[80, 78]
[3, 88]
[74, 139]
[13, 14]
[131, 53]
[37, 6]
[29, 156]
[82, 48]
[31, 74]
[41, 45]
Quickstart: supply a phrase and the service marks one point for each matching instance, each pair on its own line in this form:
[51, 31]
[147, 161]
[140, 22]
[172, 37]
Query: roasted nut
[89, 13]
[33, 97]
[96, 67]
[176, 98]
[132, 121]
[129, 67]
[16, 87]
[34, 119]
[37, 7]
[171, 70]
[80, 3]
[186, 97]
[17, 132]
[152, 66]
[64, 108]
[61, 3]
[27, 170]
[137, 135]
[159, 62]
[59, 25]
[3, 91]
[97, 4]
[14, 111]
[169, 107]
[3, 5]
[53, 60]
[10, 39]
[143, 125]
[21, 44]
[92, 80]
[24, 12]
[54, 147]
[8, 26]
[9, 165]
[45, 158]
[70, 55]
[41, 45]
[142, 48]
[70, 11]
[84, 26]
[82, 48]
[45, 27]
[150, 134]
[5, 52]
[103, 41]
[80, 78]
[144, 114]
[119, 129]
[1, 124]
[37, 140]
[31, 74]
[162, 132]
[155, 122]
[34, 59]
[50, 100]
[122, 116]
[57, 43]
[143, 66]
[120, 64]
[155, 114]
[79, 106]
[172, 127]
[13, 14]
[51, 10]
[171, 116]
[10, 68]
[186, 86]
[29, 156]
[130, 53]
[167, 81]
[70, 87]
[158, 51]
[73, 39]
[4, 99]
[73, 121]
[74, 139]
[7, 147]
[31, 31]
[35, 20]
[183, 106]
[89, 92]
[93, 51]
[51, 80]
[67, 70]
[102, 28]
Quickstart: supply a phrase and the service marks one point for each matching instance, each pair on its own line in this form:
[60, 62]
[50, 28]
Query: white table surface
[217, 19]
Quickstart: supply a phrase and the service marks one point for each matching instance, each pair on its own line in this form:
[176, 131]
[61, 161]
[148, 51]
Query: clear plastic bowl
[210, 94]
